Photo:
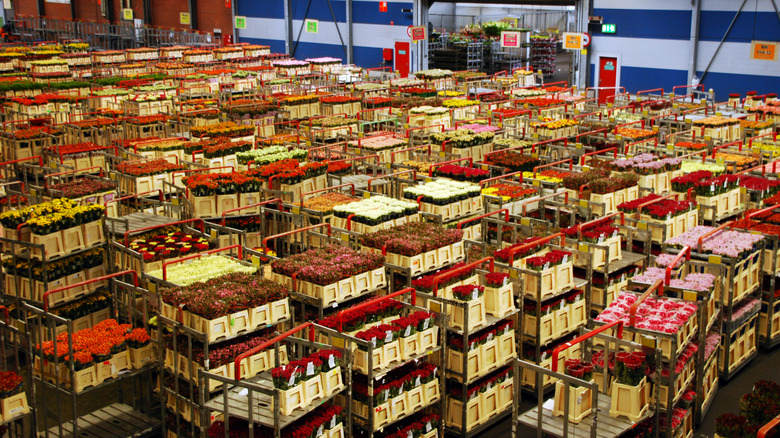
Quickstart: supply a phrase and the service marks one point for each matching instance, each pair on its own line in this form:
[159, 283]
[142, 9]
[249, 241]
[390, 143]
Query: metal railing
[106, 36]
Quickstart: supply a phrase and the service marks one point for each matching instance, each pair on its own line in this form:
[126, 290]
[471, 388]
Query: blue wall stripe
[645, 23]
[762, 26]
[724, 83]
[362, 12]
[265, 9]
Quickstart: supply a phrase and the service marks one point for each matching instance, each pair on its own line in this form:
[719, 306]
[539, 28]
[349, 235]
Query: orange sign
[572, 41]
[763, 50]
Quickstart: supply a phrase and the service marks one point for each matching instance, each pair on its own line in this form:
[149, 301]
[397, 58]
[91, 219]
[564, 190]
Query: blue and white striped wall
[372, 30]
[653, 44]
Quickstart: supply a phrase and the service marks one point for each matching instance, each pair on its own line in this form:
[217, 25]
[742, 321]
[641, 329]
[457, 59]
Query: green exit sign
[312, 26]
[607, 28]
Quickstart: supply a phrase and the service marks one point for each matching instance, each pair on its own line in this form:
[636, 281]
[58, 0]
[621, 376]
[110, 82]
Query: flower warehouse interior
[389, 219]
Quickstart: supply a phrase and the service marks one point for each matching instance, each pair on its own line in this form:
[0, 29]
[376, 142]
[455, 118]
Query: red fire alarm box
[382, 6]
[387, 54]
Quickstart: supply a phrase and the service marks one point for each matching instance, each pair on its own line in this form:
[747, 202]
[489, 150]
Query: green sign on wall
[240, 22]
[608, 28]
[312, 26]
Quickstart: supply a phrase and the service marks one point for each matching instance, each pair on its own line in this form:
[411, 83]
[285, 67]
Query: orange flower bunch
[93, 345]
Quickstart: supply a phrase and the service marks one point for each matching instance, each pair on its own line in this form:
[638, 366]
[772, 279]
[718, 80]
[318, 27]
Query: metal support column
[288, 27]
[193, 14]
[148, 13]
[420, 50]
[581, 63]
[41, 8]
[695, 14]
[350, 41]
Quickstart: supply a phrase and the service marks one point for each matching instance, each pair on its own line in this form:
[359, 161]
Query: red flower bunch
[425, 283]
[513, 160]
[407, 326]
[169, 245]
[151, 167]
[209, 184]
[419, 91]
[329, 358]
[339, 167]
[461, 173]
[759, 184]
[377, 102]
[630, 367]
[492, 97]
[467, 293]
[339, 99]
[31, 132]
[77, 148]
[496, 279]
[579, 369]
[541, 102]
[424, 320]
[511, 191]
[425, 424]
[10, 384]
[286, 376]
[503, 255]
[137, 338]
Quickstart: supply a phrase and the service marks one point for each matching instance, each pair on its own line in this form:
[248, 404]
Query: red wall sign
[418, 33]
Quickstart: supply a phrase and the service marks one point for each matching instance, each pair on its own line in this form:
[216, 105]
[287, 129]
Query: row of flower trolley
[273, 247]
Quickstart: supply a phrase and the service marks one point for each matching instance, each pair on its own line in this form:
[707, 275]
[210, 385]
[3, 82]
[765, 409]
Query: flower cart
[104, 356]
[415, 248]
[14, 399]
[297, 394]
[249, 223]
[81, 157]
[199, 334]
[147, 126]
[151, 246]
[739, 261]
[394, 348]
[481, 341]
[314, 277]
[146, 175]
[450, 200]
[98, 130]
[569, 411]
[24, 141]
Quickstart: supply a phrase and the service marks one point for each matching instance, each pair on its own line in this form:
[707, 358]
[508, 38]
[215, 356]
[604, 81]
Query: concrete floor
[726, 399]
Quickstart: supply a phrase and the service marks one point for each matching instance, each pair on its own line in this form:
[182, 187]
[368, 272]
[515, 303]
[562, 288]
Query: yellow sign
[763, 50]
[184, 18]
[127, 14]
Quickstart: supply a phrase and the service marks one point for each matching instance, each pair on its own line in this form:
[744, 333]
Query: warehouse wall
[373, 30]
[653, 44]
[211, 14]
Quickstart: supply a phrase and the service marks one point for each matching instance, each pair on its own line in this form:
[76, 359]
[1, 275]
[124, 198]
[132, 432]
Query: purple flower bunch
[327, 265]
[412, 238]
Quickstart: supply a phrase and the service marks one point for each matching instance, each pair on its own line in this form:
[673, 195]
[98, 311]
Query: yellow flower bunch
[450, 93]
[557, 124]
[772, 148]
[459, 103]
[542, 178]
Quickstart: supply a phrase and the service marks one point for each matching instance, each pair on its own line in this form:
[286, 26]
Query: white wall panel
[734, 58]
[733, 5]
[663, 5]
[366, 35]
[642, 52]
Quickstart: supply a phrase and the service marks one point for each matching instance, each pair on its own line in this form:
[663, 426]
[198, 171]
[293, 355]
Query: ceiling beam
[513, 2]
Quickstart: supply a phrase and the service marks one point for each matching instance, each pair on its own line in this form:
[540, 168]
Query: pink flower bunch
[477, 128]
[711, 345]
[327, 265]
[726, 243]
[746, 307]
[665, 260]
[657, 314]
